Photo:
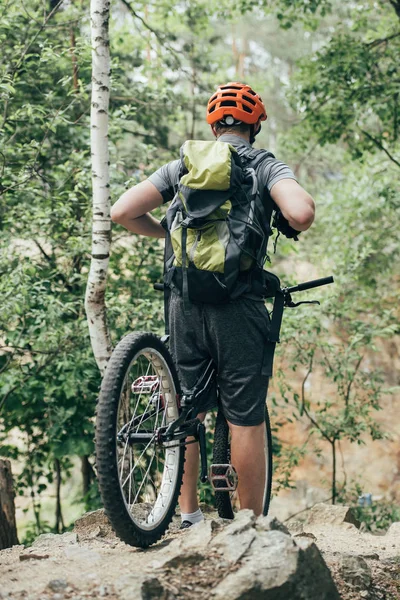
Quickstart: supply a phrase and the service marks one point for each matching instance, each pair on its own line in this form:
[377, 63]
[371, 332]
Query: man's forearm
[144, 225]
[132, 210]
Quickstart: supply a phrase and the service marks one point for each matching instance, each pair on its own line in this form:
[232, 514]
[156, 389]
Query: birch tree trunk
[101, 232]
[8, 528]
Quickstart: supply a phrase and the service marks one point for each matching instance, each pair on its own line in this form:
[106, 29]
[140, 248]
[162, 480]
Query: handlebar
[307, 285]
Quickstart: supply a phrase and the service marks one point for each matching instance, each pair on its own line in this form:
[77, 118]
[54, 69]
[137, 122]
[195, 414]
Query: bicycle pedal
[223, 478]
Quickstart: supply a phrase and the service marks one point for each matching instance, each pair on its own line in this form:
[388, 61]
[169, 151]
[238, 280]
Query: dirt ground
[93, 563]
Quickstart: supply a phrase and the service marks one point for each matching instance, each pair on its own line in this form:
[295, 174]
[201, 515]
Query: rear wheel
[139, 475]
[228, 502]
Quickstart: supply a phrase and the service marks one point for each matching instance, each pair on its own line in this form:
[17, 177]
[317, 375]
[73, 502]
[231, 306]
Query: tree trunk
[8, 527]
[87, 474]
[333, 471]
[101, 231]
[74, 59]
[59, 527]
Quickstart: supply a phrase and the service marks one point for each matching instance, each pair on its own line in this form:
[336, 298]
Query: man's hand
[296, 204]
[132, 208]
[282, 225]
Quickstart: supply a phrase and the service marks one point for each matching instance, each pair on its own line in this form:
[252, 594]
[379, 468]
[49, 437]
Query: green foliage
[378, 517]
[349, 89]
[374, 518]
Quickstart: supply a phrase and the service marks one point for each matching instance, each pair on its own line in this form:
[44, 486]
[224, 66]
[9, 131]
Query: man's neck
[235, 139]
[244, 136]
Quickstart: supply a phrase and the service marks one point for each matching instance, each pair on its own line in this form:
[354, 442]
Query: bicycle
[143, 422]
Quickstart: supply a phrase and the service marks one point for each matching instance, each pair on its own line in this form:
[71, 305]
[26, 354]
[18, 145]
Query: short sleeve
[272, 170]
[166, 180]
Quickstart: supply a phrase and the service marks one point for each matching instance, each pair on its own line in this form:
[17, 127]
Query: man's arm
[295, 203]
[132, 208]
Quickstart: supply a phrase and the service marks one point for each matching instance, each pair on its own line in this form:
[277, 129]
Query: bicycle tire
[139, 512]
[224, 501]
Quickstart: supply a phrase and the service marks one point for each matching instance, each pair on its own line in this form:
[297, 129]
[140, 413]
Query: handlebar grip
[159, 287]
[314, 283]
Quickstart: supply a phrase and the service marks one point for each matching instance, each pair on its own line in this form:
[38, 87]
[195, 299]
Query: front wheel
[227, 502]
[139, 475]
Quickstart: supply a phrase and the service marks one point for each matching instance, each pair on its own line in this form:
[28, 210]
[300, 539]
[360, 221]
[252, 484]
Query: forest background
[328, 72]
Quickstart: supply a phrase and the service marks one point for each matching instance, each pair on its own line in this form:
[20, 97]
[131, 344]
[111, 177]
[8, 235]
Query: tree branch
[159, 36]
[380, 41]
[50, 259]
[30, 350]
[303, 384]
[379, 145]
[303, 409]
[347, 394]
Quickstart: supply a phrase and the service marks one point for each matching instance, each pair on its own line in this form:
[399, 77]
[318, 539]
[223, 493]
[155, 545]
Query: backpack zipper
[193, 248]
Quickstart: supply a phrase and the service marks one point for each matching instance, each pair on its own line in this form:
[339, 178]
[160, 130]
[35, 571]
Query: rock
[304, 534]
[331, 514]
[97, 532]
[235, 539]
[243, 520]
[153, 588]
[275, 566]
[295, 527]
[189, 547]
[103, 591]
[82, 554]
[394, 529]
[57, 585]
[270, 524]
[355, 571]
[47, 540]
[141, 587]
[370, 555]
[93, 524]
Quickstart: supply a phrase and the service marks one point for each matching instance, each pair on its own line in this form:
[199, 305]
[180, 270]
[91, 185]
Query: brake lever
[292, 304]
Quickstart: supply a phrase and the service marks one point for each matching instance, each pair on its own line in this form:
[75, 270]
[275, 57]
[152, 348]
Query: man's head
[236, 108]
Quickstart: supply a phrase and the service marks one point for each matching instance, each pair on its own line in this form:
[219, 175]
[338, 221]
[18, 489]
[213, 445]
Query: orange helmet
[238, 101]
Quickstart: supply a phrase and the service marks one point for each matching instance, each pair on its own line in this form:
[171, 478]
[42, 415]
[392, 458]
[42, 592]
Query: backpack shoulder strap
[254, 158]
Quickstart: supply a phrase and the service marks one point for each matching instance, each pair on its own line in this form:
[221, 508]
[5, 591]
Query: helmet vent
[249, 100]
[246, 108]
[230, 87]
[229, 94]
[228, 103]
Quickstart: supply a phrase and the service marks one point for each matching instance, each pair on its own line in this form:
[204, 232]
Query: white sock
[194, 517]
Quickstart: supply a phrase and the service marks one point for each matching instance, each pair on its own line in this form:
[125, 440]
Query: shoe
[185, 525]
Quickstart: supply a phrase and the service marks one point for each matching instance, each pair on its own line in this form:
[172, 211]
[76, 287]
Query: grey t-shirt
[271, 170]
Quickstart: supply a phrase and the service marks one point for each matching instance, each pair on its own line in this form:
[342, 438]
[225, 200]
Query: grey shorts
[234, 336]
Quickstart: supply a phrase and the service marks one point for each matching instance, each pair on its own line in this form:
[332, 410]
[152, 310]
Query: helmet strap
[254, 130]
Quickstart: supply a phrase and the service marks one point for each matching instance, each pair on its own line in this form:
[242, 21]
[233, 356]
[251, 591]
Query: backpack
[217, 226]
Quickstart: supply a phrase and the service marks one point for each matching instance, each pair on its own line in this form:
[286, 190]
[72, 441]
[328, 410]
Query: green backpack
[217, 226]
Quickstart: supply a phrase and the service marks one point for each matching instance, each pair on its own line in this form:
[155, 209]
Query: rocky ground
[323, 558]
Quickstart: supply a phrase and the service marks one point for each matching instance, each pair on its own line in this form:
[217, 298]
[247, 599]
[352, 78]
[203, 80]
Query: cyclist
[232, 334]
